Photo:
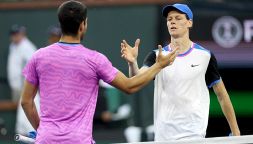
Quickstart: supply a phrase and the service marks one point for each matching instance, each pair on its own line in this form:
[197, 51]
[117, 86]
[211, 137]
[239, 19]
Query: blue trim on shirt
[166, 48]
[183, 54]
[214, 82]
[68, 44]
[196, 46]
[186, 53]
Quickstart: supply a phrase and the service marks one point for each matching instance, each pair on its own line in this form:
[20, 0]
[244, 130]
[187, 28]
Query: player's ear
[82, 26]
[190, 23]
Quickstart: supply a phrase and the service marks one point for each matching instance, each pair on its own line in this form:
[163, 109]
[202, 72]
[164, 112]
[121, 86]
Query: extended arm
[226, 107]
[27, 102]
[133, 84]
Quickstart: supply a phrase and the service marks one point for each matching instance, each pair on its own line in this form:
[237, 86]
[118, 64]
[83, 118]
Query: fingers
[159, 52]
[172, 56]
[160, 49]
[125, 43]
[128, 52]
[123, 49]
[174, 53]
[137, 43]
[167, 59]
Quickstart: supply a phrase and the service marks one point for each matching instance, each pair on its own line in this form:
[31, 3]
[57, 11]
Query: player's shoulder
[43, 50]
[39, 52]
[93, 53]
[201, 49]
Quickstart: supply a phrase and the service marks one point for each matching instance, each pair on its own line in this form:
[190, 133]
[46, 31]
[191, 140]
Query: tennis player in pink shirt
[66, 74]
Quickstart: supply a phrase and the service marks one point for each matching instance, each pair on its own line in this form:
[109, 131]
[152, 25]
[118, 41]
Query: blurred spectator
[54, 34]
[103, 115]
[20, 51]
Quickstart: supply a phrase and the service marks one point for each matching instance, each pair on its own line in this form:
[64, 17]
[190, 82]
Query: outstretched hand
[129, 53]
[166, 60]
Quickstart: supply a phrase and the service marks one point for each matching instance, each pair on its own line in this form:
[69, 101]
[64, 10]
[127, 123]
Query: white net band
[247, 139]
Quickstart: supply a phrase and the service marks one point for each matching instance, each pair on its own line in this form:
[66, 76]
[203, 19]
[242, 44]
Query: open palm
[129, 53]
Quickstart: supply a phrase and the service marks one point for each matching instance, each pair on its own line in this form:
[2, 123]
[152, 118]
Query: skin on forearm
[226, 107]
[133, 68]
[31, 114]
[27, 102]
[133, 84]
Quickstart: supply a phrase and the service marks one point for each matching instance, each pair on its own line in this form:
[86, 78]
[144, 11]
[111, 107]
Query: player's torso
[187, 67]
[187, 71]
[181, 95]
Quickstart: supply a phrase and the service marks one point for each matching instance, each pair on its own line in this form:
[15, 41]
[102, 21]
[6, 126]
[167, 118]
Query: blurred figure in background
[54, 34]
[20, 51]
[103, 115]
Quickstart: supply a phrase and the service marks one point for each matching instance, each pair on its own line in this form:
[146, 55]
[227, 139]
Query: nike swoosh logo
[194, 65]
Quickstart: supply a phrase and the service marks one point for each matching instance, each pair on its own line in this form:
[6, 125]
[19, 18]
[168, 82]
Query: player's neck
[184, 44]
[69, 39]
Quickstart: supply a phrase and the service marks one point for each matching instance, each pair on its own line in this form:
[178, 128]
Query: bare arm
[133, 84]
[133, 68]
[27, 102]
[226, 107]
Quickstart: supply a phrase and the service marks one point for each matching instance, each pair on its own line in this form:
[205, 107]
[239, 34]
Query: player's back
[68, 85]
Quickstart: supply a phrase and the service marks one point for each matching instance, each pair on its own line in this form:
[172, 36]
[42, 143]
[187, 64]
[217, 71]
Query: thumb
[137, 43]
[160, 49]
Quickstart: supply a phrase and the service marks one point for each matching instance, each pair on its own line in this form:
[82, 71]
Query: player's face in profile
[177, 24]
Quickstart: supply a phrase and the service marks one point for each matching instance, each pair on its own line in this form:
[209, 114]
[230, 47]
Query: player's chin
[174, 35]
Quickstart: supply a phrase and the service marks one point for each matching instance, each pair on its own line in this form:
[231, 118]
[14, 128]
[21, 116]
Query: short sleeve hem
[112, 77]
[213, 83]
